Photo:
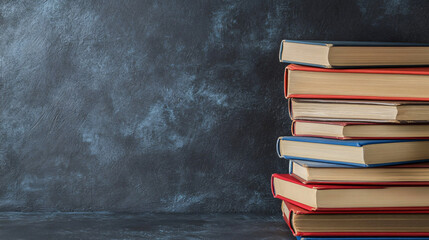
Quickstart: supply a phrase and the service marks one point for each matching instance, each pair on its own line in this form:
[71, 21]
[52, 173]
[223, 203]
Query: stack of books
[360, 147]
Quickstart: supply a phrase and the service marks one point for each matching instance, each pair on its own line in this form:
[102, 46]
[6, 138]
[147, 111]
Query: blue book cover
[351, 143]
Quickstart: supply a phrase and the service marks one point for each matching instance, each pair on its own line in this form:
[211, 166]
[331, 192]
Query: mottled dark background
[166, 106]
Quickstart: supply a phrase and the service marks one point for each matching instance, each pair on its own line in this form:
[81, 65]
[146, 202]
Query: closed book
[344, 110]
[333, 197]
[309, 172]
[364, 153]
[347, 54]
[409, 84]
[359, 130]
[375, 223]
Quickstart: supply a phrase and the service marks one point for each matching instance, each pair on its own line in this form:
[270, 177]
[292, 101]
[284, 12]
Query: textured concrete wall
[159, 105]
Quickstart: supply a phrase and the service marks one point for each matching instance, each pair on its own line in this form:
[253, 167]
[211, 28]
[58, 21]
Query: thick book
[410, 84]
[348, 54]
[332, 197]
[364, 153]
[327, 173]
[306, 223]
[359, 130]
[359, 110]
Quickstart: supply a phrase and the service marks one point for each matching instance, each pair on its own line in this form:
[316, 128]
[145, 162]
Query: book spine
[278, 147]
[288, 221]
[281, 51]
[292, 127]
[328, 55]
[289, 109]
[273, 191]
[285, 82]
[290, 166]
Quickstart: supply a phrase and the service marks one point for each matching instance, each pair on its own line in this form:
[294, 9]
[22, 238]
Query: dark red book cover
[292, 208]
[410, 71]
[352, 123]
[290, 178]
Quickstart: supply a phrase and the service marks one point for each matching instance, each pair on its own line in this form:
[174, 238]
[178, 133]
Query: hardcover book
[359, 110]
[359, 130]
[409, 84]
[342, 54]
[331, 197]
[364, 153]
[327, 173]
[357, 224]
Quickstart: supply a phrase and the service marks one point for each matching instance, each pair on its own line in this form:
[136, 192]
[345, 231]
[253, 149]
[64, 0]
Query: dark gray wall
[159, 105]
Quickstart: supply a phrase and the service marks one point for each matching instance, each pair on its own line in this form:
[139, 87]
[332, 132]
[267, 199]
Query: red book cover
[409, 71]
[348, 124]
[290, 178]
[289, 209]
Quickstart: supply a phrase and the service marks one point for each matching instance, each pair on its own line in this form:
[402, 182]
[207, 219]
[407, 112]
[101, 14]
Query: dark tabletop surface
[106, 225]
